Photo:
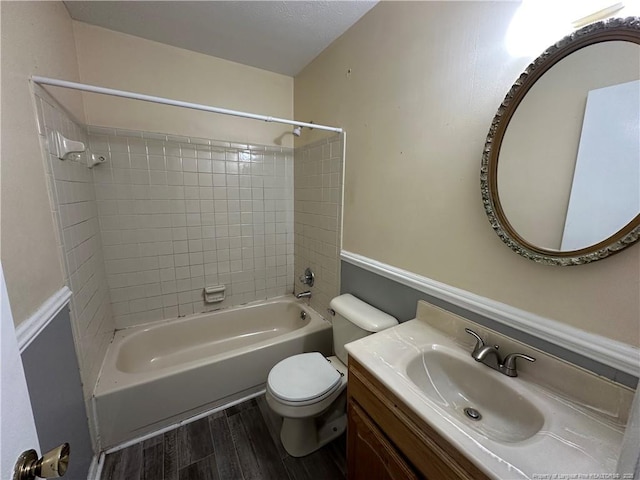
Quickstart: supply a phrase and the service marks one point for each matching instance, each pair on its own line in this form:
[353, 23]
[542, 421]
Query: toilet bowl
[309, 390]
[312, 406]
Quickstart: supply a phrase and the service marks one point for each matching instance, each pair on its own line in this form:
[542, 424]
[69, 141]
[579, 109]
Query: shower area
[155, 226]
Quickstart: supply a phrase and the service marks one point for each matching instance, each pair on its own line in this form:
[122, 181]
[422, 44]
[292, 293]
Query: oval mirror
[560, 172]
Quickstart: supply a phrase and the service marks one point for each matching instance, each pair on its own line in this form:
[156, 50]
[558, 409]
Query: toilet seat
[303, 379]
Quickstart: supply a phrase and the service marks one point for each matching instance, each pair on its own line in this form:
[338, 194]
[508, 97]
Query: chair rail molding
[617, 355]
[28, 330]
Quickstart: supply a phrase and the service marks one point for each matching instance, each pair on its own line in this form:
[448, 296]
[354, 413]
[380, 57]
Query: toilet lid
[303, 377]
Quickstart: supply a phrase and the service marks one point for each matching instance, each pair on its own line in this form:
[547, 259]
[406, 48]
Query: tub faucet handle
[308, 278]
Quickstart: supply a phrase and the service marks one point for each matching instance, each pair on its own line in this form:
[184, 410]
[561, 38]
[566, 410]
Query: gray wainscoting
[53, 380]
[401, 301]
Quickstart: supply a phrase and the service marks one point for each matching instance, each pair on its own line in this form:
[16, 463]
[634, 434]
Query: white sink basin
[524, 431]
[457, 382]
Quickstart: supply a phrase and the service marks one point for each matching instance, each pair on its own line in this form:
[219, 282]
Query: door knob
[53, 464]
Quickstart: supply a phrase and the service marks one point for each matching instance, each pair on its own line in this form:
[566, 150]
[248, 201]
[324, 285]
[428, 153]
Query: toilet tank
[355, 319]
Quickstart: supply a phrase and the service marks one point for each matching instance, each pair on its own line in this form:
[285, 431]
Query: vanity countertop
[573, 435]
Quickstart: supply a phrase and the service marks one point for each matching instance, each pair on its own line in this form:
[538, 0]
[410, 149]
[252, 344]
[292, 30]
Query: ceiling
[280, 36]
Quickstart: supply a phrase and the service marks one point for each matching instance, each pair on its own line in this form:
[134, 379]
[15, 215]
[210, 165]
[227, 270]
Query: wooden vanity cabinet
[387, 441]
[374, 458]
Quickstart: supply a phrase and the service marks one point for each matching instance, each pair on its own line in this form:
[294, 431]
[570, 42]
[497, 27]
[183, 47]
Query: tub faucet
[306, 294]
[489, 355]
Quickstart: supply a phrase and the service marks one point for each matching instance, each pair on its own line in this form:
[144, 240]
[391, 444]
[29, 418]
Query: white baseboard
[28, 330]
[95, 469]
[618, 355]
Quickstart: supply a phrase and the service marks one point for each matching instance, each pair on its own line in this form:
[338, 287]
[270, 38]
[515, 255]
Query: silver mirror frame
[616, 29]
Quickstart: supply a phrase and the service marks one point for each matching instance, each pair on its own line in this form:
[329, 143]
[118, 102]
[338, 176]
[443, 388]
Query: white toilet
[309, 390]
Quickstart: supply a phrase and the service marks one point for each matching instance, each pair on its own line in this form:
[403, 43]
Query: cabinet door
[370, 456]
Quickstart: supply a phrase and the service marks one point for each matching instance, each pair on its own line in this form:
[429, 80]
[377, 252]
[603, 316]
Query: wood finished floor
[241, 442]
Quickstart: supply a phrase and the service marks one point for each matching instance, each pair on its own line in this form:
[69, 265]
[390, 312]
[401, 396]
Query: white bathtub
[156, 375]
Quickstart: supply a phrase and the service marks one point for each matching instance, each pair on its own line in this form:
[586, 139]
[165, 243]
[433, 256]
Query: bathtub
[156, 375]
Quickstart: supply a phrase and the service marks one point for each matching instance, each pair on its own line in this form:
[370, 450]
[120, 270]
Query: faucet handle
[509, 365]
[479, 341]
[307, 278]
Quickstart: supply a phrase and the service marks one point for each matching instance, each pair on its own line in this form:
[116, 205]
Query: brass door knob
[53, 464]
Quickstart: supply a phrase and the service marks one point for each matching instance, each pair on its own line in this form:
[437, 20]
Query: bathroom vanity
[387, 440]
[419, 406]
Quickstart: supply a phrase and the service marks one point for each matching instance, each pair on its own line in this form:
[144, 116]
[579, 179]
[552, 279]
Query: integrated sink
[456, 383]
[515, 428]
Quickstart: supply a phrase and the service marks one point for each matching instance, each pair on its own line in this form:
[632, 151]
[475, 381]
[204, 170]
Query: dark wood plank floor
[241, 442]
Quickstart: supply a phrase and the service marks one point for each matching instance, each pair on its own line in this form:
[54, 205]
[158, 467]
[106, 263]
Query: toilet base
[302, 436]
[306, 428]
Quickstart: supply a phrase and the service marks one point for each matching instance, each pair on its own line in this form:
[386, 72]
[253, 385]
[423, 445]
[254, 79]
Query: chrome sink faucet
[489, 355]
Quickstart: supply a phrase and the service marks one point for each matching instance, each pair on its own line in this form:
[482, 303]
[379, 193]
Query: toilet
[309, 390]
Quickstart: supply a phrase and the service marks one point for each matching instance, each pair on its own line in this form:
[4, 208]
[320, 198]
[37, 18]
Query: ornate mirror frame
[616, 29]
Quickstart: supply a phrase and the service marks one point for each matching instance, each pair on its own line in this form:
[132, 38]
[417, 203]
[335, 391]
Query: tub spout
[306, 294]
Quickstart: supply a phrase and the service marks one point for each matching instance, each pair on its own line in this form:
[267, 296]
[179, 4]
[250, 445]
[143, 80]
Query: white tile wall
[72, 199]
[318, 209]
[178, 214]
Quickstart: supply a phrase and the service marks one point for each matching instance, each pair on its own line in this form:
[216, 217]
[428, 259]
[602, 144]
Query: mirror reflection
[568, 175]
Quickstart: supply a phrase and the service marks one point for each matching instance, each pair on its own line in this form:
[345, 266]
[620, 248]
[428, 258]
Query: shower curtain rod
[176, 103]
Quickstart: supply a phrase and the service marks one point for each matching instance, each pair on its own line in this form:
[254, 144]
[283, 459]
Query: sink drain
[472, 413]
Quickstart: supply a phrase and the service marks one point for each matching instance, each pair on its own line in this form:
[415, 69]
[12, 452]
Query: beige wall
[37, 38]
[112, 59]
[416, 85]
